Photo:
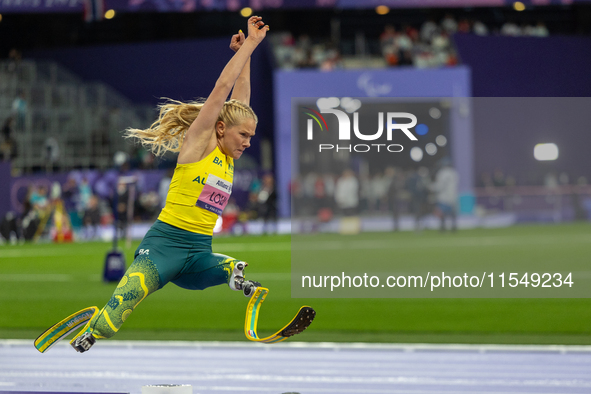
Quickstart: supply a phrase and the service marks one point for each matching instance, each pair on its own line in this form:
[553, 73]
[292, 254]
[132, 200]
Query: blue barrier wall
[4, 188]
[527, 66]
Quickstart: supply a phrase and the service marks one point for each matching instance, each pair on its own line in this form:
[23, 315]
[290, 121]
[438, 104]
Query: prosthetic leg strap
[62, 329]
[252, 316]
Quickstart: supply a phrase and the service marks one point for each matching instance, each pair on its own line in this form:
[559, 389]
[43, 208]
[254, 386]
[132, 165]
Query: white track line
[7, 252]
[44, 252]
[336, 346]
[36, 278]
[286, 276]
[309, 243]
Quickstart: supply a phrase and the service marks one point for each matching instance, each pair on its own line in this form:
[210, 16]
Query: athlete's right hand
[257, 30]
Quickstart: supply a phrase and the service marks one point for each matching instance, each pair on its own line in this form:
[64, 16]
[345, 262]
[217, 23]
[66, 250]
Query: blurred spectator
[305, 58]
[147, 206]
[84, 194]
[284, 48]
[8, 149]
[326, 184]
[498, 178]
[91, 218]
[404, 44]
[551, 180]
[411, 32]
[329, 186]
[14, 60]
[255, 185]
[310, 204]
[36, 208]
[38, 198]
[440, 42]
[55, 192]
[388, 37]
[142, 158]
[9, 228]
[480, 28]
[486, 180]
[540, 30]
[297, 195]
[388, 46]
[347, 193]
[70, 195]
[230, 215]
[446, 193]
[449, 24]
[365, 200]
[122, 206]
[7, 127]
[510, 181]
[379, 192]
[164, 185]
[332, 59]
[395, 188]
[19, 110]
[50, 152]
[417, 185]
[30, 218]
[464, 26]
[252, 208]
[428, 30]
[267, 199]
[299, 58]
[428, 47]
[510, 29]
[304, 43]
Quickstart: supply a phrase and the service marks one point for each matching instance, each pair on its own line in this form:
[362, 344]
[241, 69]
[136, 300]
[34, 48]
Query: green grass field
[40, 284]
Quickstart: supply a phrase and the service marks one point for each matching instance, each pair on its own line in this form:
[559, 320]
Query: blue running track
[242, 367]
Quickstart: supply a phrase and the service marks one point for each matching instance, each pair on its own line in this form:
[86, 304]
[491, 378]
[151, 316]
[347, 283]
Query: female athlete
[209, 136]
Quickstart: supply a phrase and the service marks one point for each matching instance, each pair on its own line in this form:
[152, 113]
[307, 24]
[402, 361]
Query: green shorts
[184, 258]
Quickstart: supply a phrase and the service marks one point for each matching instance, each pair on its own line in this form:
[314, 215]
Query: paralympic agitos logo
[395, 122]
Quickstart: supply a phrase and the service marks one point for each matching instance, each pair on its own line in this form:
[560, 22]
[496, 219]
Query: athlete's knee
[238, 282]
[236, 269]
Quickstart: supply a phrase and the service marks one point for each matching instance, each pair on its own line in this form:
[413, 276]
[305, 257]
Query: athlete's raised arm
[241, 90]
[200, 138]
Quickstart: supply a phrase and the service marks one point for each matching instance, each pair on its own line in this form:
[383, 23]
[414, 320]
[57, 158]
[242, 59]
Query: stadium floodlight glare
[382, 9]
[435, 113]
[246, 12]
[328, 103]
[441, 140]
[416, 154]
[110, 14]
[431, 149]
[546, 152]
[519, 6]
[350, 105]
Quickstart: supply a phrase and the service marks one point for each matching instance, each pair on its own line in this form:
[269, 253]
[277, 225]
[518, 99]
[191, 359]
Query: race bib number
[215, 194]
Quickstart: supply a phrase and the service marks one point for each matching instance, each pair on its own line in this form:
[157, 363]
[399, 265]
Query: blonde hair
[167, 133]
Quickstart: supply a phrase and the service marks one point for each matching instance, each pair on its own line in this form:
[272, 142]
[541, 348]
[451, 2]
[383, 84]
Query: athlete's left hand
[237, 41]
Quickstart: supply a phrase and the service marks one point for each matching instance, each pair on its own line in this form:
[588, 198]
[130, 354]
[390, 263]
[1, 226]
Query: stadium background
[86, 80]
